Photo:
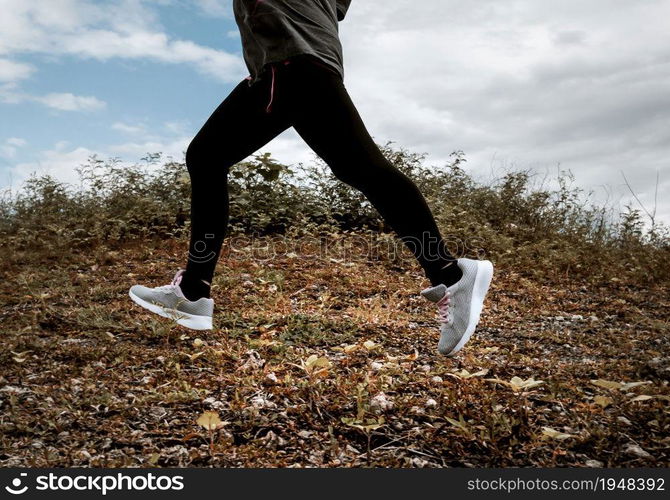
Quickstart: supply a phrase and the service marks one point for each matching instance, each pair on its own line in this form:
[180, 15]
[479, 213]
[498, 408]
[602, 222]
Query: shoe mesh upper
[169, 299]
[460, 303]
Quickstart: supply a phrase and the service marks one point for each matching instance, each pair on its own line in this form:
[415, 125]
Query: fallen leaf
[622, 386]
[316, 362]
[210, 421]
[630, 385]
[364, 425]
[603, 401]
[460, 424]
[464, 374]
[606, 384]
[554, 434]
[195, 356]
[636, 451]
[517, 384]
[413, 357]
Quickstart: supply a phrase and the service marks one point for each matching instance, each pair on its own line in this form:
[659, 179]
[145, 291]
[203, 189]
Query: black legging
[312, 98]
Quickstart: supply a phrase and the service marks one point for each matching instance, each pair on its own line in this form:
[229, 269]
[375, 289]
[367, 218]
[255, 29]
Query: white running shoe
[169, 301]
[460, 305]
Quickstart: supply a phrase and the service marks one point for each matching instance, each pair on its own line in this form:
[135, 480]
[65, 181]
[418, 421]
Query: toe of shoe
[140, 291]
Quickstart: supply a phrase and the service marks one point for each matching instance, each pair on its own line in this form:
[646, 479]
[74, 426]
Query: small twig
[652, 216]
[382, 446]
[422, 453]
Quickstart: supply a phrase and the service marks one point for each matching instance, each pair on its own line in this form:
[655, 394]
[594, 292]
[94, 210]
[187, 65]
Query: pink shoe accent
[268, 109]
[444, 308]
[177, 277]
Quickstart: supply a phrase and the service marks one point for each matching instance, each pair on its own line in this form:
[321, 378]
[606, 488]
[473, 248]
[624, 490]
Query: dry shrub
[539, 231]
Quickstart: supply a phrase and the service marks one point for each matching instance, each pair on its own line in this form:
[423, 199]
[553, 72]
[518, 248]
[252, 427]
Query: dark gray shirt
[274, 30]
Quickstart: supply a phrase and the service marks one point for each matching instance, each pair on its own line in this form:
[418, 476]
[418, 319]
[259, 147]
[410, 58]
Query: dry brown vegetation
[328, 358]
[321, 363]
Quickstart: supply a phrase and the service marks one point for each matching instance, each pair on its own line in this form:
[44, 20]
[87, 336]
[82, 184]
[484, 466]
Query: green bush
[538, 231]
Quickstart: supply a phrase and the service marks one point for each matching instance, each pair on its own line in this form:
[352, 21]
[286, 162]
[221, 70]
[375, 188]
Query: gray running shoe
[460, 305]
[169, 301]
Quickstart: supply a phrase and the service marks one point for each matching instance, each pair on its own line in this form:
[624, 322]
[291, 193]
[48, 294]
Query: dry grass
[89, 379]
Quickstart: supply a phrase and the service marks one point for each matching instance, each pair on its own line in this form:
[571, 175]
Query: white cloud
[144, 132]
[62, 160]
[215, 8]
[533, 84]
[59, 162]
[131, 129]
[10, 146]
[172, 147]
[17, 141]
[521, 83]
[70, 102]
[177, 127]
[288, 148]
[12, 71]
[125, 29]
[58, 101]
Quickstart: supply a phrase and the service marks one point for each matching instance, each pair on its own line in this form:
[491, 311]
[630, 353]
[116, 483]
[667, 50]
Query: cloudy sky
[515, 84]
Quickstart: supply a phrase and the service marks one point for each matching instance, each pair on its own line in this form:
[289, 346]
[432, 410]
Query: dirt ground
[323, 362]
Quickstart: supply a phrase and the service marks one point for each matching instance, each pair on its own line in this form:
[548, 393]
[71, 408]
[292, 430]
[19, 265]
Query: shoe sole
[192, 321]
[482, 283]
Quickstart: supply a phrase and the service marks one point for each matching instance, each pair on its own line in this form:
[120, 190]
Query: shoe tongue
[434, 294]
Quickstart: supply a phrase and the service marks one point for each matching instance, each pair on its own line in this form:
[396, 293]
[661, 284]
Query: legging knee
[205, 164]
[194, 159]
[364, 175]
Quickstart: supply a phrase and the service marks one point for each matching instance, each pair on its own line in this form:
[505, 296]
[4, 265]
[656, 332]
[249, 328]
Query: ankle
[194, 289]
[449, 275]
